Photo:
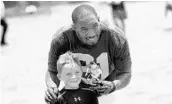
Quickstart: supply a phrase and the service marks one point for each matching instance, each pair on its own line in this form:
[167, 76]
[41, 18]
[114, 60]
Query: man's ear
[74, 26]
[59, 76]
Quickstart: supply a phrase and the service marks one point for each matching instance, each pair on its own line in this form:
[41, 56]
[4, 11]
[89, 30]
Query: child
[70, 72]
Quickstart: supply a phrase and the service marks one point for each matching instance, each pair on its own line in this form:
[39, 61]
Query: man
[168, 7]
[92, 42]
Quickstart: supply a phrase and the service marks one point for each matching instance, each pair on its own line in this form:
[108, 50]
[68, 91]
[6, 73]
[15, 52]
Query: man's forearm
[51, 79]
[122, 80]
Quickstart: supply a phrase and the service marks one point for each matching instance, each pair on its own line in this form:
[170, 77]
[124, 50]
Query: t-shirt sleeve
[123, 59]
[121, 56]
[58, 46]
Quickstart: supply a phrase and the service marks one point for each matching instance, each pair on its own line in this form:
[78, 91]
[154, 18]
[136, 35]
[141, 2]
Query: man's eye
[84, 30]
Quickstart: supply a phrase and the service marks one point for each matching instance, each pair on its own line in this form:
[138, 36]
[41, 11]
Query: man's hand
[104, 87]
[51, 94]
[109, 87]
[60, 99]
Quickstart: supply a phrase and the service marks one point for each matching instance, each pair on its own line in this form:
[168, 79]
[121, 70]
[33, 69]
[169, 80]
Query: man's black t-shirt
[111, 51]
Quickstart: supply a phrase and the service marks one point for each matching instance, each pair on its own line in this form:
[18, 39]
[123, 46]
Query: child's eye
[77, 72]
[68, 74]
[95, 26]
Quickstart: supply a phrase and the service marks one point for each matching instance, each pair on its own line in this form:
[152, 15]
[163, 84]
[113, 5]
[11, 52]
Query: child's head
[69, 70]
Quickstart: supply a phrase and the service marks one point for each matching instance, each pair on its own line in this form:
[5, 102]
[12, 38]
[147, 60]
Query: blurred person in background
[168, 7]
[3, 24]
[93, 42]
[119, 13]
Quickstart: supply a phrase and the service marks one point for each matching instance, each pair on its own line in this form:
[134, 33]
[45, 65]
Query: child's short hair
[67, 58]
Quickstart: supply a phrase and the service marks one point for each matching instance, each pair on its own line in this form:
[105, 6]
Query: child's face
[71, 76]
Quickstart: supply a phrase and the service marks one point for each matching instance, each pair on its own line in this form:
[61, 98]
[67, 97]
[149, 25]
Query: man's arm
[51, 79]
[51, 75]
[121, 75]
[123, 81]
[58, 46]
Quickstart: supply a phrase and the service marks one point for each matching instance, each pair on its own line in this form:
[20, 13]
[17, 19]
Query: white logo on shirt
[77, 99]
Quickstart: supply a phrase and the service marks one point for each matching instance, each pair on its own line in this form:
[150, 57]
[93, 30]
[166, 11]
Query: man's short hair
[82, 11]
[67, 58]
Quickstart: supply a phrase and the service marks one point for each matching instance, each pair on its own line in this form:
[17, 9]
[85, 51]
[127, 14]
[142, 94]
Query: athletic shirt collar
[73, 89]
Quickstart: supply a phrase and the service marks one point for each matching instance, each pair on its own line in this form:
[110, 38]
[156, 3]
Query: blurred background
[31, 25]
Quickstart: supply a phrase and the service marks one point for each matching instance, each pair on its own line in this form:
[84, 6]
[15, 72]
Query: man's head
[86, 24]
[69, 70]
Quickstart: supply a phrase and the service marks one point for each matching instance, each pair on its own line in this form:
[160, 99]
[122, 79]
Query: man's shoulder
[60, 32]
[117, 36]
[115, 33]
